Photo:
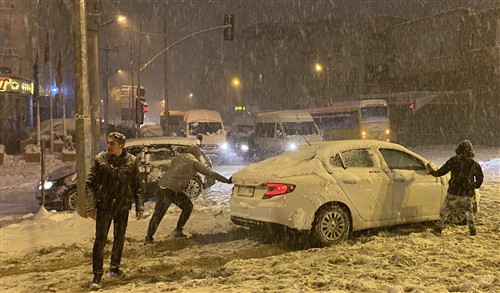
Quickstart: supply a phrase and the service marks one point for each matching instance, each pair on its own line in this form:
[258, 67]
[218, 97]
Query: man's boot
[96, 282]
[178, 233]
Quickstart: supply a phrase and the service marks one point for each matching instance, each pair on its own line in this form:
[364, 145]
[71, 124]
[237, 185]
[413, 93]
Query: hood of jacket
[465, 148]
[194, 150]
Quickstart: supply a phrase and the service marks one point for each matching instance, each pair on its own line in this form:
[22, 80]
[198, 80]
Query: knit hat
[194, 150]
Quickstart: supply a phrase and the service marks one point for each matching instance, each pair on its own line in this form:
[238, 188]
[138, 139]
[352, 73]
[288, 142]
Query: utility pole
[137, 123]
[131, 113]
[106, 86]
[165, 87]
[82, 104]
[93, 53]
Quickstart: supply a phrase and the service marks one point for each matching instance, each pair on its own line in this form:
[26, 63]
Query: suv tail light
[274, 189]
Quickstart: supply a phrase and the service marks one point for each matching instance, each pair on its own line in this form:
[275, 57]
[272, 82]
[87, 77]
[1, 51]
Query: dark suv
[155, 155]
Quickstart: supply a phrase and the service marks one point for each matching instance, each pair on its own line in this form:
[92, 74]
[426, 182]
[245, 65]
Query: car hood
[61, 172]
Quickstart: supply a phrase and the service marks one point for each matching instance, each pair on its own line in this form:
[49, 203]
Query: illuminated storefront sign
[15, 86]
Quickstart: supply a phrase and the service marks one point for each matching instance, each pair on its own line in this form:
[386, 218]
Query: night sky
[188, 61]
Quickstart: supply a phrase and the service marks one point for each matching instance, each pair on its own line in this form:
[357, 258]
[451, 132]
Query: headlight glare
[46, 185]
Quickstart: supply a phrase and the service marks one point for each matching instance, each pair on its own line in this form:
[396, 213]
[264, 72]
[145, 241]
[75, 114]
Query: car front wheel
[70, 200]
[194, 188]
[456, 216]
[332, 225]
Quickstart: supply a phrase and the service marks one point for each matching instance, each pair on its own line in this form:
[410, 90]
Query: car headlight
[292, 146]
[244, 147]
[225, 146]
[46, 185]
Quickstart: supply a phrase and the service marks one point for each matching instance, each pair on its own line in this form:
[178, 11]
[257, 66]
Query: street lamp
[120, 19]
[236, 82]
[318, 67]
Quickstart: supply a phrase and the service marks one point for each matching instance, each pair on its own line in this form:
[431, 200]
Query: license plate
[245, 190]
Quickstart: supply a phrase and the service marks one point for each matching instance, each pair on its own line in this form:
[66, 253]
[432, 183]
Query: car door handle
[350, 181]
[374, 171]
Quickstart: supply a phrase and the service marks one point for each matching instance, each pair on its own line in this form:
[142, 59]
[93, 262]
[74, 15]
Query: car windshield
[243, 128]
[204, 127]
[300, 128]
[160, 154]
[374, 113]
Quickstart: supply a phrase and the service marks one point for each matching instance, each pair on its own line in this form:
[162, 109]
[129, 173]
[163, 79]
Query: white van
[279, 131]
[209, 124]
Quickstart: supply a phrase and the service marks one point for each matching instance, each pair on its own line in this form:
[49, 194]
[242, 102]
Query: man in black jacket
[466, 176]
[182, 169]
[111, 186]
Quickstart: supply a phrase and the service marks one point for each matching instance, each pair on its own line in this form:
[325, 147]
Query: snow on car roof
[307, 160]
[202, 115]
[160, 140]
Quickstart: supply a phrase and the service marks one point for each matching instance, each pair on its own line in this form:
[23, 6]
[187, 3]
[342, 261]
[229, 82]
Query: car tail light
[274, 189]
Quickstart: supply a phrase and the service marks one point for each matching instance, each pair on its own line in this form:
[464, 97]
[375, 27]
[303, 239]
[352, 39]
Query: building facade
[440, 74]
[16, 74]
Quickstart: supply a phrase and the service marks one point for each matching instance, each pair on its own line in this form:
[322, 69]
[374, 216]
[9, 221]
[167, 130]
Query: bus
[361, 119]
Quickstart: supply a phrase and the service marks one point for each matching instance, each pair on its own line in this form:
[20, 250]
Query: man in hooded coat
[174, 181]
[466, 176]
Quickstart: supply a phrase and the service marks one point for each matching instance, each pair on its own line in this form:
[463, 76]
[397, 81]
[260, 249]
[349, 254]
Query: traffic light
[140, 106]
[141, 91]
[229, 30]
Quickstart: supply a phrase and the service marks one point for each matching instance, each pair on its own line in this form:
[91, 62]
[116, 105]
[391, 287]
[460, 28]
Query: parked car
[150, 130]
[155, 155]
[330, 189]
[57, 127]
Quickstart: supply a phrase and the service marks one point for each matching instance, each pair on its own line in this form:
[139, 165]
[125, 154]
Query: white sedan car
[333, 188]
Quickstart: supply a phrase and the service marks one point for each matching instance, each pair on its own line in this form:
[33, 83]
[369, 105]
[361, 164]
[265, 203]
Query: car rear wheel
[332, 225]
[70, 200]
[194, 188]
